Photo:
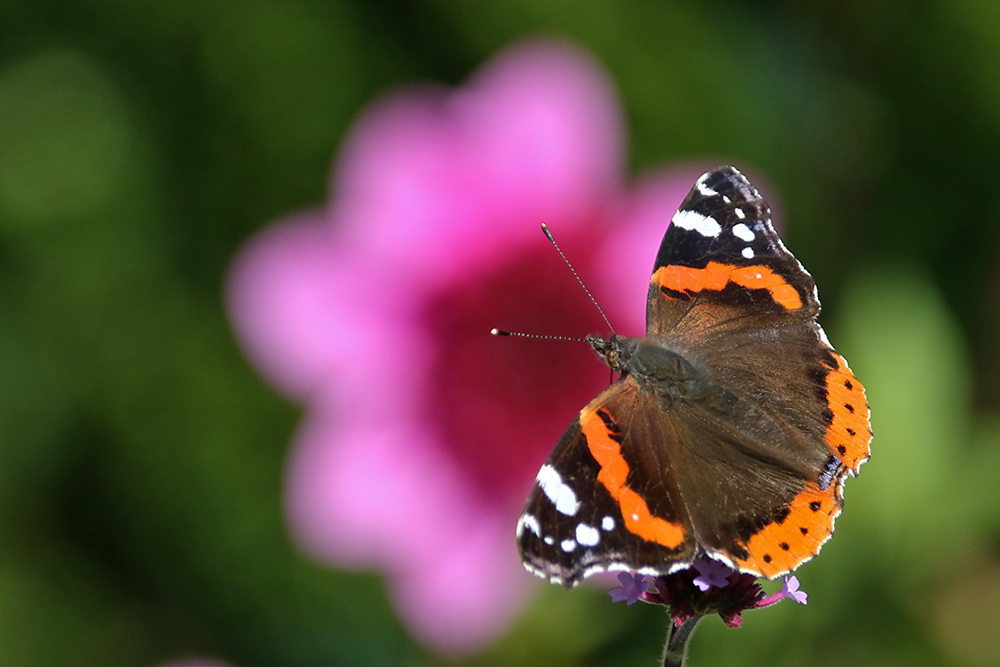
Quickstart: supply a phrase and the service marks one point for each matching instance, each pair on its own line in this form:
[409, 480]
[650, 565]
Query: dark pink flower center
[503, 402]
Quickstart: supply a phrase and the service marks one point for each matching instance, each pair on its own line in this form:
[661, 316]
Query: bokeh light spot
[66, 138]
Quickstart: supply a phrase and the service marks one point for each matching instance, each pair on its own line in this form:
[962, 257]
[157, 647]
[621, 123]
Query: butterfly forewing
[721, 266]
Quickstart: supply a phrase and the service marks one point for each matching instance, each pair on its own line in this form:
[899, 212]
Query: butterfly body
[731, 427]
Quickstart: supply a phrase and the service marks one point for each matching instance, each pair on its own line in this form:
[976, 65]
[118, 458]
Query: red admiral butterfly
[732, 426]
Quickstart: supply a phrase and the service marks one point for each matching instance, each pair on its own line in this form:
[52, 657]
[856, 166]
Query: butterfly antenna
[576, 275]
[501, 332]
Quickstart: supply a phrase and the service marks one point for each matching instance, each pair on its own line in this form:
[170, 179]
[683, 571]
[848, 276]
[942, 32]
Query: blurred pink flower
[422, 432]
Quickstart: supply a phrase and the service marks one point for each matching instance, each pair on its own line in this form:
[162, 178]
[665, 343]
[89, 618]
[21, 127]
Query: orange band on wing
[715, 276]
[781, 547]
[849, 434]
[614, 471]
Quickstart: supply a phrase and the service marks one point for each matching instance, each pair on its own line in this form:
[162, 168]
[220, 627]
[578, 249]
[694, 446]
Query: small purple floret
[791, 589]
[632, 586]
[711, 573]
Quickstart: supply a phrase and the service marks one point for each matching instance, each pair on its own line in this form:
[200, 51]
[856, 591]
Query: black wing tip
[727, 179]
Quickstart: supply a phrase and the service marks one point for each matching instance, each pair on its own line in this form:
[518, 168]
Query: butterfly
[733, 423]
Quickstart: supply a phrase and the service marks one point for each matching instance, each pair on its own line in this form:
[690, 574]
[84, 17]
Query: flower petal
[379, 495]
[371, 493]
[306, 310]
[468, 593]
[447, 182]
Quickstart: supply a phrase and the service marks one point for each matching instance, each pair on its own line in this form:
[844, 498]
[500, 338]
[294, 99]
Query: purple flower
[632, 587]
[688, 598]
[422, 433]
[715, 589]
[790, 588]
[711, 573]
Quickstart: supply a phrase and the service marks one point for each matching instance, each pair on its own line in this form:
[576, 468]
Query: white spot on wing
[748, 252]
[608, 523]
[705, 190]
[586, 535]
[739, 213]
[548, 540]
[560, 493]
[567, 545]
[530, 522]
[743, 232]
[692, 220]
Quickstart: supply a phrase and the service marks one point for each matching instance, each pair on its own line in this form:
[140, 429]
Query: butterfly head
[615, 350]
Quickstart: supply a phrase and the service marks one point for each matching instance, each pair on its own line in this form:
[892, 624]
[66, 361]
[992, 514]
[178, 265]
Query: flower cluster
[709, 587]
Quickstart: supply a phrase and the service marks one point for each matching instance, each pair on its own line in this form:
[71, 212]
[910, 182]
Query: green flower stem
[678, 637]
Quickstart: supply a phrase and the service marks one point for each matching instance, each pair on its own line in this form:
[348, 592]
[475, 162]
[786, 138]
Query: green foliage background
[141, 458]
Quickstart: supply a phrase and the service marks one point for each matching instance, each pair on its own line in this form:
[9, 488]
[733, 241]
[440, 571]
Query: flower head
[708, 587]
[422, 432]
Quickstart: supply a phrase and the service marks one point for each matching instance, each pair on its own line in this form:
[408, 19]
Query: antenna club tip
[498, 332]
